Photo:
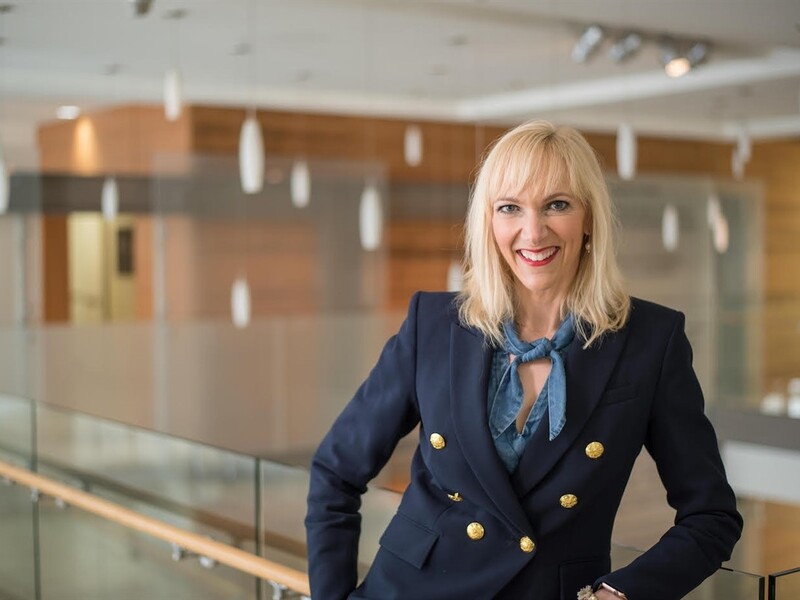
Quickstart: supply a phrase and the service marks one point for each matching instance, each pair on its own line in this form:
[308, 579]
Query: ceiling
[496, 61]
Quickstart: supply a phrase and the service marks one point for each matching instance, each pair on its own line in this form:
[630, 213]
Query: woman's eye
[507, 208]
[559, 205]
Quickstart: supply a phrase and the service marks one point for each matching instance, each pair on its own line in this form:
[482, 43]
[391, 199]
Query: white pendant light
[4, 191]
[370, 218]
[737, 164]
[240, 303]
[626, 151]
[670, 232]
[300, 184]
[251, 156]
[413, 145]
[109, 200]
[713, 210]
[455, 276]
[721, 234]
[744, 145]
[173, 94]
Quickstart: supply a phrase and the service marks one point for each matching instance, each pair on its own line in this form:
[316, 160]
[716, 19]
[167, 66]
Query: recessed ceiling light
[68, 112]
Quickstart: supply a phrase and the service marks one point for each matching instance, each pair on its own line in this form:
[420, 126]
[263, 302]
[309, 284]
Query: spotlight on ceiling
[140, 7]
[697, 53]
[674, 63]
[588, 42]
[625, 47]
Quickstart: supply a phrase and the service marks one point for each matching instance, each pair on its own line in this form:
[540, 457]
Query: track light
[674, 63]
[587, 44]
[141, 7]
[625, 47]
[697, 53]
[677, 64]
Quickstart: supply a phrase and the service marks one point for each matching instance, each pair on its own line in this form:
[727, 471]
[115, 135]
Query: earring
[588, 247]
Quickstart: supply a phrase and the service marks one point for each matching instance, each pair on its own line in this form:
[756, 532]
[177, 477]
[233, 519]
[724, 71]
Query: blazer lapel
[588, 372]
[470, 361]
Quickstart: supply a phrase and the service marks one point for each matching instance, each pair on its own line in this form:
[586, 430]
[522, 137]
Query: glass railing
[51, 551]
[784, 585]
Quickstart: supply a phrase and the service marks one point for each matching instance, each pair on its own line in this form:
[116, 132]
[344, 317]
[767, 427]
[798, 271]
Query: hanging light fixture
[626, 151]
[413, 145]
[251, 140]
[713, 210]
[240, 302]
[109, 199]
[588, 43]
[744, 145]
[251, 155]
[173, 82]
[4, 187]
[300, 184]
[455, 276]
[173, 95]
[737, 164]
[721, 234]
[670, 232]
[370, 217]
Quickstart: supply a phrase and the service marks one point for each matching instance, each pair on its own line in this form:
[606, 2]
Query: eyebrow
[546, 199]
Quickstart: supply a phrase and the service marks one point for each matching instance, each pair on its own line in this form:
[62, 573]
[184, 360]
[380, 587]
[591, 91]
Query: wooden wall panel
[128, 140]
[451, 150]
[55, 268]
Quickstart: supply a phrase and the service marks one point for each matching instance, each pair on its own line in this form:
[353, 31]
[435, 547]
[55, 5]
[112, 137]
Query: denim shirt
[503, 411]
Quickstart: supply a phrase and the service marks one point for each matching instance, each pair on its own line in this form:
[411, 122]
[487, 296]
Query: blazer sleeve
[360, 442]
[684, 446]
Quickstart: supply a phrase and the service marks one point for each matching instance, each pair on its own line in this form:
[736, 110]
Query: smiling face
[540, 233]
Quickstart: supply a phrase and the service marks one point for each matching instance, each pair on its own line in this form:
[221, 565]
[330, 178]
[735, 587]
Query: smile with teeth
[542, 256]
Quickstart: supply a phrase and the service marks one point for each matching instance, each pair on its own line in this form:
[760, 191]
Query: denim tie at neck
[556, 382]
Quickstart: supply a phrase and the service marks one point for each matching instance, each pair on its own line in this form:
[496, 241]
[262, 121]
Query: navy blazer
[633, 388]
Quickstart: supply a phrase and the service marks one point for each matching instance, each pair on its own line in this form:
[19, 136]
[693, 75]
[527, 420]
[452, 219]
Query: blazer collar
[588, 372]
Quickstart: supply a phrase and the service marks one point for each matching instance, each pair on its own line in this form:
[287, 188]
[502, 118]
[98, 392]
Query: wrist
[615, 592]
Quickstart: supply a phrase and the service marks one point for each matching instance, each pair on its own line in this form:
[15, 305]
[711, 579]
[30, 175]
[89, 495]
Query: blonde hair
[526, 157]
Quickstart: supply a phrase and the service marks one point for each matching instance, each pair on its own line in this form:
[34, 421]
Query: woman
[535, 390]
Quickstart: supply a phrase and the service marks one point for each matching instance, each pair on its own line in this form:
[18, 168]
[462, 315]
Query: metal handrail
[278, 575]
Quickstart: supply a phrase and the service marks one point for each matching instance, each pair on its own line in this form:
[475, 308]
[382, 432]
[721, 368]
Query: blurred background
[213, 215]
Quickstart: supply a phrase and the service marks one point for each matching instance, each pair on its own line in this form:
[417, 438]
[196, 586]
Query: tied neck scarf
[556, 382]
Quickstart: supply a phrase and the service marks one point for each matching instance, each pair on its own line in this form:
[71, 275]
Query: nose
[535, 228]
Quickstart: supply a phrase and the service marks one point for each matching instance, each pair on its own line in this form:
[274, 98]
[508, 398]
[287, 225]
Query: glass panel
[725, 583]
[189, 485]
[115, 562]
[16, 430]
[785, 585]
[17, 547]
[283, 508]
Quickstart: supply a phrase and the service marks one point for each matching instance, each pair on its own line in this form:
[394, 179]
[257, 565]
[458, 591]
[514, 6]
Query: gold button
[595, 450]
[455, 497]
[568, 500]
[526, 544]
[475, 531]
[437, 441]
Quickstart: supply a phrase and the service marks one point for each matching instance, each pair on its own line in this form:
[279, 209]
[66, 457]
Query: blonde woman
[535, 390]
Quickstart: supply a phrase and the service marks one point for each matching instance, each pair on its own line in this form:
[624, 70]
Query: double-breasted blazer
[465, 528]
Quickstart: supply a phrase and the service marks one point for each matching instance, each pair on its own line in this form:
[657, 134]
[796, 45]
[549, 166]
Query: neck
[538, 318]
